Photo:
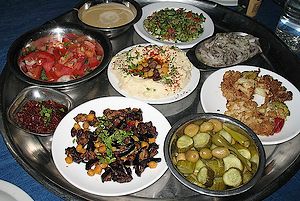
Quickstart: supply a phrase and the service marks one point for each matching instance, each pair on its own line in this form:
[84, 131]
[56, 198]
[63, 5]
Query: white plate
[212, 100]
[187, 90]
[226, 2]
[76, 173]
[149, 9]
[10, 192]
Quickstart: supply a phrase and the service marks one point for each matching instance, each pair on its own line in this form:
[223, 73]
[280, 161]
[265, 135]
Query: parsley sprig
[109, 135]
[46, 114]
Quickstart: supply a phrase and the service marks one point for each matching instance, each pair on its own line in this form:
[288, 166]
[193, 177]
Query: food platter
[75, 173]
[211, 88]
[187, 90]
[34, 153]
[208, 27]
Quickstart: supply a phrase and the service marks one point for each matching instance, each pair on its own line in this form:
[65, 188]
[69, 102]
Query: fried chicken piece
[239, 89]
[237, 86]
[274, 91]
[248, 113]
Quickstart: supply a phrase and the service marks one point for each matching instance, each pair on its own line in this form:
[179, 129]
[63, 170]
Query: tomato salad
[176, 25]
[58, 59]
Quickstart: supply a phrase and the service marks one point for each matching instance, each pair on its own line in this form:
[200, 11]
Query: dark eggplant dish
[111, 144]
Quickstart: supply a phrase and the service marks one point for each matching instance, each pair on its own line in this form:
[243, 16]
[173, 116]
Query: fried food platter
[34, 153]
[211, 88]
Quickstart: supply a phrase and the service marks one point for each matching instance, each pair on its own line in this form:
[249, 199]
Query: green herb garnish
[109, 136]
[46, 114]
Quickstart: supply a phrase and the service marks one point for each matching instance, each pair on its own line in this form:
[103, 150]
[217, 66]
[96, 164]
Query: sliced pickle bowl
[216, 51]
[37, 94]
[46, 56]
[113, 23]
[220, 157]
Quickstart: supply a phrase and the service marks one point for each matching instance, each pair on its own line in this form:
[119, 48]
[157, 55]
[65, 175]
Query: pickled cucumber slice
[202, 140]
[185, 167]
[232, 161]
[184, 143]
[233, 177]
[206, 176]
[218, 184]
[198, 166]
[245, 152]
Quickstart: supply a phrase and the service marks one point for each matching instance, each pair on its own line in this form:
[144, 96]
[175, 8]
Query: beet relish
[40, 116]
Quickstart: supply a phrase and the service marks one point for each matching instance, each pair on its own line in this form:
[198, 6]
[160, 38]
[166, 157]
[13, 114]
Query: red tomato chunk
[56, 60]
[40, 117]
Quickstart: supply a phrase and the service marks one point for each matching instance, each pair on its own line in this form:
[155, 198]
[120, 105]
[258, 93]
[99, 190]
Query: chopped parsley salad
[176, 25]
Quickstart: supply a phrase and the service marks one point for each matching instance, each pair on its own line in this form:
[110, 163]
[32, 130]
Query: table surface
[19, 16]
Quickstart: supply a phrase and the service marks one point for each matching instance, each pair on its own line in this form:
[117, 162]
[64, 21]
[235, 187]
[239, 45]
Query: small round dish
[208, 25]
[187, 167]
[47, 56]
[110, 17]
[38, 94]
[226, 49]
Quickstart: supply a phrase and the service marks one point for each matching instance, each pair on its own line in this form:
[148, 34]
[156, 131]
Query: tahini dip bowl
[111, 17]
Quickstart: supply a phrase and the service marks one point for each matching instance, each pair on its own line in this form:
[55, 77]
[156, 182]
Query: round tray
[34, 153]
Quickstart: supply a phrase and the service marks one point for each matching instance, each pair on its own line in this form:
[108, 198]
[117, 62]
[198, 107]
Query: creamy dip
[172, 82]
[107, 15]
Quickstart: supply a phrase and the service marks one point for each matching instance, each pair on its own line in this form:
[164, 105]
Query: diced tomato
[89, 44]
[79, 68]
[56, 54]
[51, 76]
[196, 19]
[44, 59]
[65, 40]
[47, 60]
[60, 70]
[93, 62]
[79, 72]
[35, 71]
[59, 52]
[279, 122]
[171, 30]
[189, 14]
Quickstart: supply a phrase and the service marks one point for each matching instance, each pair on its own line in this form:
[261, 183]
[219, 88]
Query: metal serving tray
[34, 154]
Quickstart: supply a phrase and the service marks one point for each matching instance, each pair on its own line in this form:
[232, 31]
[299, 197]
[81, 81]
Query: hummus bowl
[152, 73]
